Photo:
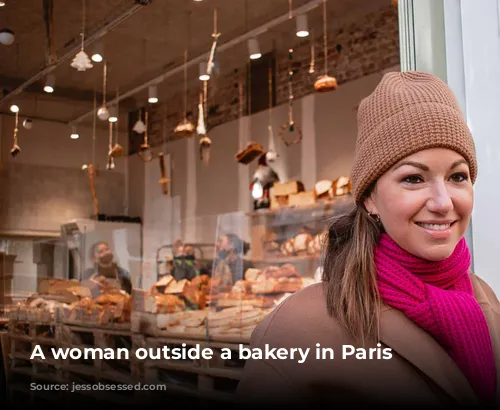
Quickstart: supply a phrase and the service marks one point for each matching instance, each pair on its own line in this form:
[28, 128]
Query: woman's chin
[435, 253]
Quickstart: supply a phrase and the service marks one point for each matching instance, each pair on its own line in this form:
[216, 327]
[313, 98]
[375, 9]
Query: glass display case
[262, 258]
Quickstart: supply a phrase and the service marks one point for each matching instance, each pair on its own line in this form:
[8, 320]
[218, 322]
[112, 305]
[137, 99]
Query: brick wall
[356, 49]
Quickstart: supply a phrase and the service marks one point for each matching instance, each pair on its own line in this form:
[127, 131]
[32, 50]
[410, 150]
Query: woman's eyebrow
[457, 163]
[412, 164]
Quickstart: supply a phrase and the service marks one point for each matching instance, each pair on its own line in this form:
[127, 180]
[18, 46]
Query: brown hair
[349, 272]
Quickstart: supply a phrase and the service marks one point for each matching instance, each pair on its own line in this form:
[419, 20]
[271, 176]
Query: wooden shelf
[272, 260]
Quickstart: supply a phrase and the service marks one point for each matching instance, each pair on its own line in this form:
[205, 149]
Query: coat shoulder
[484, 292]
[303, 313]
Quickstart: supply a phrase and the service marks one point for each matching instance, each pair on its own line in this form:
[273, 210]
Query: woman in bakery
[408, 322]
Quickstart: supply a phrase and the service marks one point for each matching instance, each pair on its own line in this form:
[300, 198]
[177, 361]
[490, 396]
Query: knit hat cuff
[418, 127]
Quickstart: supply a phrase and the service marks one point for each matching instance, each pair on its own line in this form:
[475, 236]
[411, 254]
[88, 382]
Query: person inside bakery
[230, 262]
[408, 321]
[106, 268]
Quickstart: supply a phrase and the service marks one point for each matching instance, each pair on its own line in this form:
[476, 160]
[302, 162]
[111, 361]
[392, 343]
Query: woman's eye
[412, 179]
[459, 177]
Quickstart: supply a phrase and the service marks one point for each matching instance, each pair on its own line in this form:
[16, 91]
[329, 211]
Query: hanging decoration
[212, 63]
[271, 155]
[139, 126]
[253, 150]
[86, 166]
[111, 161]
[16, 150]
[163, 180]
[312, 68]
[145, 151]
[82, 61]
[185, 128]
[205, 143]
[325, 82]
[290, 126]
[92, 175]
[117, 150]
[103, 112]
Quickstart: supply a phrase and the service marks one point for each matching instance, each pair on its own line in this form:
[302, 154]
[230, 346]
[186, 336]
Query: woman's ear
[370, 206]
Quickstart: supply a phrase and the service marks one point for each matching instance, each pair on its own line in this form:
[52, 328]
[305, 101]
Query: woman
[397, 276]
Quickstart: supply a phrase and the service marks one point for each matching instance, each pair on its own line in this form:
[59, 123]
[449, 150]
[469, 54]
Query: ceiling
[147, 43]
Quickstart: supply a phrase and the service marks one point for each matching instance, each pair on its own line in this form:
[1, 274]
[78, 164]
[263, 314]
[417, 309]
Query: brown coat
[420, 372]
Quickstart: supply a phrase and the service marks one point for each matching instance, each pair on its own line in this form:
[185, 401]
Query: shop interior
[168, 170]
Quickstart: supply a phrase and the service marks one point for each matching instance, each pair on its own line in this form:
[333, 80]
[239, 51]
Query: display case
[263, 257]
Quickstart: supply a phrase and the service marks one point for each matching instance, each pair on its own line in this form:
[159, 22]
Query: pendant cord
[117, 113]
[289, 9]
[290, 87]
[94, 127]
[325, 38]
[270, 90]
[185, 84]
[16, 129]
[105, 73]
[83, 23]
[146, 132]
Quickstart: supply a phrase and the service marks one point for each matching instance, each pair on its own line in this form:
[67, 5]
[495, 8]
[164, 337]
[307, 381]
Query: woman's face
[425, 202]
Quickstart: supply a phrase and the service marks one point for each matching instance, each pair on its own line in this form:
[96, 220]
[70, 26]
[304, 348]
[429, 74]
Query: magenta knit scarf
[438, 297]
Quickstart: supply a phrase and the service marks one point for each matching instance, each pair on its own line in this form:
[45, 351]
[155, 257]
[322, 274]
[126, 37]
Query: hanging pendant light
[325, 82]
[302, 26]
[254, 49]
[82, 61]
[153, 94]
[103, 112]
[49, 84]
[203, 72]
[185, 128]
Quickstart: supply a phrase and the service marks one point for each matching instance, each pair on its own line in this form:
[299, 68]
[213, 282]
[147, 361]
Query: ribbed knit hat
[406, 113]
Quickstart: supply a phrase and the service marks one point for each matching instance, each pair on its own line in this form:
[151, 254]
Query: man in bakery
[105, 272]
[231, 265]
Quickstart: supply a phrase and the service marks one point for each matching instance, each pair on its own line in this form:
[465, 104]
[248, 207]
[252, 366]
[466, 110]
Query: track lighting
[203, 71]
[98, 52]
[14, 108]
[49, 84]
[74, 135]
[6, 37]
[302, 27]
[253, 49]
[113, 116]
[153, 94]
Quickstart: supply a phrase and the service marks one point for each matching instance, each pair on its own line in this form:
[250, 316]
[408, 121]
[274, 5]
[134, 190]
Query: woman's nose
[440, 200]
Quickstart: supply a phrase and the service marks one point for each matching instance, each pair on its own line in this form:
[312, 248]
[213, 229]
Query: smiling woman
[396, 270]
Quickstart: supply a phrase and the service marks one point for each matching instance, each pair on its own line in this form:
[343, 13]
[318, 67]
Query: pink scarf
[438, 296]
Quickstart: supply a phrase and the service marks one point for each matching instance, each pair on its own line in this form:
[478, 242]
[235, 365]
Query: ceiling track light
[113, 114]
[302, 26]
[254, 49]
[74, 135]
[97, 55]
[49, 84]
[203, 71]
[153, 94]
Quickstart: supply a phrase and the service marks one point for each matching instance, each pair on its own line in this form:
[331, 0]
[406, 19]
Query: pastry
[288, 248]
[301, 243]
[252, 274]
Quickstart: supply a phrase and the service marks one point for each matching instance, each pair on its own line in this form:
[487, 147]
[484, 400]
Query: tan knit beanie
[406, 113]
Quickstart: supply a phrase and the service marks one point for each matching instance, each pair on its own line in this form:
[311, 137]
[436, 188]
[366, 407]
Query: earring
[374, 216]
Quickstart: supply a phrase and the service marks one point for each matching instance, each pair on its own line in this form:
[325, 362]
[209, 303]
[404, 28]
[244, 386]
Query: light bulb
[14, 108]
[97, 58]
[103, 113]
[74, 135]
